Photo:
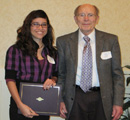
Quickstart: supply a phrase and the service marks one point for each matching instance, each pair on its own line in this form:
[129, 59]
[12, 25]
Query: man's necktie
[86, 75]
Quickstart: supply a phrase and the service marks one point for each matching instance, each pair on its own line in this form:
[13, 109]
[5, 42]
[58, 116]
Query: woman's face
[39, 28]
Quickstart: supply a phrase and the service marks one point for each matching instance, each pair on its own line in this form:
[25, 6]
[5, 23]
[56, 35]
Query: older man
[90, 70]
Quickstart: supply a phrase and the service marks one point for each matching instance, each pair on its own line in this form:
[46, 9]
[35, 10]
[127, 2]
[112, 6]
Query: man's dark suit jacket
[109, 69]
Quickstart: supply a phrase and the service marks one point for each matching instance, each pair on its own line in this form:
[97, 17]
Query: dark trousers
[87, 106]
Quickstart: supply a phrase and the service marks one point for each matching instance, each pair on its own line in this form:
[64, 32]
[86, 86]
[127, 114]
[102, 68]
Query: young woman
[31, 59]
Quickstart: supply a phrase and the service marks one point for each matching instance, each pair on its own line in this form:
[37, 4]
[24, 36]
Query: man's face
[86, 19]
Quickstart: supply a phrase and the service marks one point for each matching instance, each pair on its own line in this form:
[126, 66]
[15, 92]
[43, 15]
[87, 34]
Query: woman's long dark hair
[25, 41]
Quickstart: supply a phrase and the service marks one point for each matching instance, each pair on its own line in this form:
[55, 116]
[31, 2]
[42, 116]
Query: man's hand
[117, 112]
[62, 110]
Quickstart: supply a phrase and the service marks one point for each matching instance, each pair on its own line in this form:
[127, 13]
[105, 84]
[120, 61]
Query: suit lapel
[73, 42]
[99, 47]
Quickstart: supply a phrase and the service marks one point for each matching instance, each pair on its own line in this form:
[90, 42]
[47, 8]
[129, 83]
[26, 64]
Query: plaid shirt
[28, 68]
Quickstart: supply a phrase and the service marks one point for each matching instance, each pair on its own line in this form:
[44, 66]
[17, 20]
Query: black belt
[94, 89]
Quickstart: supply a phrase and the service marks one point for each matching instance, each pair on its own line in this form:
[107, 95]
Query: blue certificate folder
[43, 102]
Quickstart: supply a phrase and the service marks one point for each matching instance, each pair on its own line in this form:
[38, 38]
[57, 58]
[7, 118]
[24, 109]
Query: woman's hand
[27, 111]
[49, 83]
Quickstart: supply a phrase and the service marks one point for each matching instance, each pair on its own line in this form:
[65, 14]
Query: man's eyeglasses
[89, 15]
[37, 25]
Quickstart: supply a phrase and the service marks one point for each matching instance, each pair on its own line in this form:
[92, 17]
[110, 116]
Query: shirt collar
[91, 35]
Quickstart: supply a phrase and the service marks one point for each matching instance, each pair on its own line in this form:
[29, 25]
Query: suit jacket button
[104, 97]
[72, 99]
